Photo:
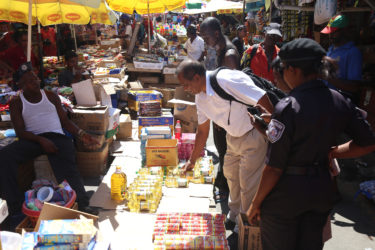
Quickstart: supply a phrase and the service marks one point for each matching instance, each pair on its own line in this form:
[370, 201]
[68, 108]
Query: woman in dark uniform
[296, 192]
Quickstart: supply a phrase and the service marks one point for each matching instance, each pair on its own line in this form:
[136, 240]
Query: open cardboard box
[55, 212]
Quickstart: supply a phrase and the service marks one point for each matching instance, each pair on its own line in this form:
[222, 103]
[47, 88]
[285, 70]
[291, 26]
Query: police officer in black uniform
[296, 193]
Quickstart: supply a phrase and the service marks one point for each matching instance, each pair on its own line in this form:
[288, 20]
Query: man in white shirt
[194, 46]
[246, 150]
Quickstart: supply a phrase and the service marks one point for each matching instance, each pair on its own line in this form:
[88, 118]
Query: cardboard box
[148, 65]
[165, 120]
[55, 212]
[125, 128]
[136, 96]
[103, 93]
[161, 152]
[110, 64]
[3, 210]
[168, 95]
[248, 236]
[149, 79]
[185, 110]
[84, 93]
[94, 119]
[114, 122]
[120, 75]
[169, 70]
[92, 164]
[171, 79]
[80, 146]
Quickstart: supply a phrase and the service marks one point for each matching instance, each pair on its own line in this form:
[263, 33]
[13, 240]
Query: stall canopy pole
[148, 25]
[29, 31]
[243, 11]
[74, 36]
[96, 36]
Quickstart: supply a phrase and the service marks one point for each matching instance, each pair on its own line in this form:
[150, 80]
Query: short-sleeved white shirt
[195, 49]
[210, 106]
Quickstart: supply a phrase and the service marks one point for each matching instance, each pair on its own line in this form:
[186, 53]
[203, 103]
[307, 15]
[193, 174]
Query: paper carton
[84, 93]
[136, 96]
[92, 164]
[3, 210]
[185, 110]
[125, 128]
[165, 120]
[161, 152]
[114, 122]
[93, 119]
[248, 236]
[55, 212]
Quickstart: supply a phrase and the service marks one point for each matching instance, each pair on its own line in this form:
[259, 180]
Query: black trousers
[63, 164]
[293, 215]
[220, 141]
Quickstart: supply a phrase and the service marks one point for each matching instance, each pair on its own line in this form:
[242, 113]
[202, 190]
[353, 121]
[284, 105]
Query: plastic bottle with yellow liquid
[118, 185]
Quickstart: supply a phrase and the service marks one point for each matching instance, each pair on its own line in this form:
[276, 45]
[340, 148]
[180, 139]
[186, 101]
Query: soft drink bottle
[118, 185]
[177, 130]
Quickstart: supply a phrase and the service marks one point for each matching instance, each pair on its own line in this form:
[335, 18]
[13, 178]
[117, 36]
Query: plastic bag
[324, 10]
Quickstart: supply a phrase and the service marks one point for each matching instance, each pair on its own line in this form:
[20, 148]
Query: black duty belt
[314, 169]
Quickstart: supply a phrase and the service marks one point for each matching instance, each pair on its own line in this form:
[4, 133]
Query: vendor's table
[130, 68]
[134, 230]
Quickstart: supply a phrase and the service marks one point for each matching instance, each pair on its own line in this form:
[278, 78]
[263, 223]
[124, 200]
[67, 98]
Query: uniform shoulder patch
[275, 130]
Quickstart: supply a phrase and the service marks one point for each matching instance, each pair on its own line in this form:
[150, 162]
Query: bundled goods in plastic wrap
[162, 132]
[174, 177]
[145, 193]
[189, 231]
[62, 234]
[151, 108]
[186, 146]
[137, 96]
[203, 171]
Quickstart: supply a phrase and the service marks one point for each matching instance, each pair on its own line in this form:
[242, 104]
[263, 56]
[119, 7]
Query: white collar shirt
[232, 117]
[195, 48]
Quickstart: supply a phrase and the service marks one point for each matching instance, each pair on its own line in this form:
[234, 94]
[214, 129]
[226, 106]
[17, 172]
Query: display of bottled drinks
[145, 193]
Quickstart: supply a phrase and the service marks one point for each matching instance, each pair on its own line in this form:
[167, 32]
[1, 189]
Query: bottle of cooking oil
[118, 185]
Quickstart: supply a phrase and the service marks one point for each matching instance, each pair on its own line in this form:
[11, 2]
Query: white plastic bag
[324, 10]
[10, 240]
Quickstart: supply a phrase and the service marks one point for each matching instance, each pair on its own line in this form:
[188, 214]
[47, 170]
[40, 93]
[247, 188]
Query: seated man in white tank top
[38, 120]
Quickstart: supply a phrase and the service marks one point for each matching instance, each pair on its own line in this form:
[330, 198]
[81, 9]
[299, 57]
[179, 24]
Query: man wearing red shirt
[259, 57]
[12, 58]
[49, 41]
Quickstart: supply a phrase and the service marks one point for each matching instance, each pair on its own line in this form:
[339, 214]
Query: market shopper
[245, 155]
[6, 36]
[38, 120]
[296, 192]
[194, 46]
[259, 57]
[238, 40]
[12, 58]
[49, 41]
[73, 72]
[226, 55]
[347, 54]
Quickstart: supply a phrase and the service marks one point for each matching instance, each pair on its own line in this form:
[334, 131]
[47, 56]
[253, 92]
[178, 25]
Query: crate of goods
[161, 152]
[162, 132]
[190, 231]
[151, 108]
[166, 119]
[137, 96]
[148, 65]
[94, 119]
[110, 64]
[248, 235]
[168, 94]
[92, 164]
[171, 79]
[125, 128]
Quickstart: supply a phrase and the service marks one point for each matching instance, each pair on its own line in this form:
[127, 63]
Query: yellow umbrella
[51, 12]
[144, 6]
